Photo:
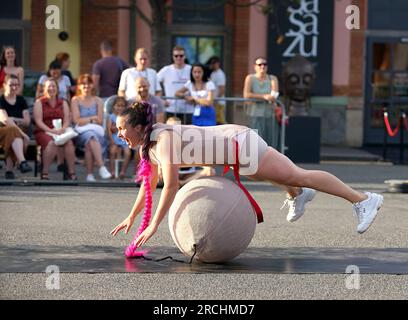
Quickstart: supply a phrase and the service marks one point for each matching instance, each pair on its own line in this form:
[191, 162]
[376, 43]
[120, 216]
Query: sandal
[9, 175]
[44, 176]
[72, 176]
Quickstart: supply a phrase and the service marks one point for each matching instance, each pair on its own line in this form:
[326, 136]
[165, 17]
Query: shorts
[251, 151]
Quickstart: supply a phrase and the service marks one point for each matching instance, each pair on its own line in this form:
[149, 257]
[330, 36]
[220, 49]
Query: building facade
[359, 69]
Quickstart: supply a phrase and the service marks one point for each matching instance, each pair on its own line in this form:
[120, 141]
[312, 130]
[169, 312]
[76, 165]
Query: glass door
[386, 87]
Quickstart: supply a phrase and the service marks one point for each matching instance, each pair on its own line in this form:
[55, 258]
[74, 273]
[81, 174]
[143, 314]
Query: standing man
[143, 94]
[106, 71]
[218, 77]
[127, 86]
[173, 77]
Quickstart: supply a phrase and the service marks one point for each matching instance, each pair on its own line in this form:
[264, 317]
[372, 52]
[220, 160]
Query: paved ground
[82, 216]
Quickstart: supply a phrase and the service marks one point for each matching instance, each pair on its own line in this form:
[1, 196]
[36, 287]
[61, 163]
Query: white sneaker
[367, 210]
[104, 173]
[90, 178]
[297, 205]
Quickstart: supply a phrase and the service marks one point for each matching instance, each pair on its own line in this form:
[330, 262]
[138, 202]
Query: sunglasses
[178, 55]
[262, 64]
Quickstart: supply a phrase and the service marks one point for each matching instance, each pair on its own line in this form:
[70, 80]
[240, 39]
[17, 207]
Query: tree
[158, 22]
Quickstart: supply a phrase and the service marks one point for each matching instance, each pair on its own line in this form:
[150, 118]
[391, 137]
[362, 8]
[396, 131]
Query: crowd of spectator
[74, 119]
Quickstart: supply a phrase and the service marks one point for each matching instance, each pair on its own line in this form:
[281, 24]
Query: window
[200, 48]
[12, 38]
[389, 81]
[11, 10]
[198, 12]
[390, 70]
[387, 15]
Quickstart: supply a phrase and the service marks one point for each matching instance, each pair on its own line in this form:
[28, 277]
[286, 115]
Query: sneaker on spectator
[297, 205]
[90, 178]
[25, 167]
[104, 173]
[367, 210]
[9, 175]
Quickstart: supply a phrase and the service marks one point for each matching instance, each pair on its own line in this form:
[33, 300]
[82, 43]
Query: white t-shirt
[200, 94]
[129, 76]
[63, 85]
[218, 77]
[174, 79]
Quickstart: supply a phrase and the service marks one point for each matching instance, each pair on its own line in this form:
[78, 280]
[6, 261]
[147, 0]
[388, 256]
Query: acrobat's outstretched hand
[127, 223]
[145, 235]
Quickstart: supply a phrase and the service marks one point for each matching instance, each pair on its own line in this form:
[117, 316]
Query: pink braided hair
[144, 172]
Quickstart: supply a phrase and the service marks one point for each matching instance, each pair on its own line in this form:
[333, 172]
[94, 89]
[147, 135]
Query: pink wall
[143, 35]
[123, 31]
[258, 26]
[341, 44]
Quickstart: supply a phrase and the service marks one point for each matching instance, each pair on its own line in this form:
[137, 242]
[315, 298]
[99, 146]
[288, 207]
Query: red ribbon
[254, 204]
[391, 132]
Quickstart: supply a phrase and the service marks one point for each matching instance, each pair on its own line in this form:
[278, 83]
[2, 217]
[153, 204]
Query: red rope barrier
[391, 132]
[279, 116]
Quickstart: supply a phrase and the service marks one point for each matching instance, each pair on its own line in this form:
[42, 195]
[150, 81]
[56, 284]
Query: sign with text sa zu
[307, 29]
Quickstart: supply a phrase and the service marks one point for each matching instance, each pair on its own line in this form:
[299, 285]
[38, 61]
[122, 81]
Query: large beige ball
[215, 215]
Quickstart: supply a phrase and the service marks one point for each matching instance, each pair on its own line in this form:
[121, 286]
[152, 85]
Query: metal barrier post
[401, 136]
[385, 137]
[275, 134]
[283, 127]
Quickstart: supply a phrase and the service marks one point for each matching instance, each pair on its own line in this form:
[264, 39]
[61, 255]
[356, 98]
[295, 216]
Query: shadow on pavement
[105, 259]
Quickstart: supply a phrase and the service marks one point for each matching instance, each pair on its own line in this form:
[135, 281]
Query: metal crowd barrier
[238, 111]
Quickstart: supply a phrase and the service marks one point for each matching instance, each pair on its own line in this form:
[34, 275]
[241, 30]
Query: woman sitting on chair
[14, 117]
[87, 113]
[46, 109]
